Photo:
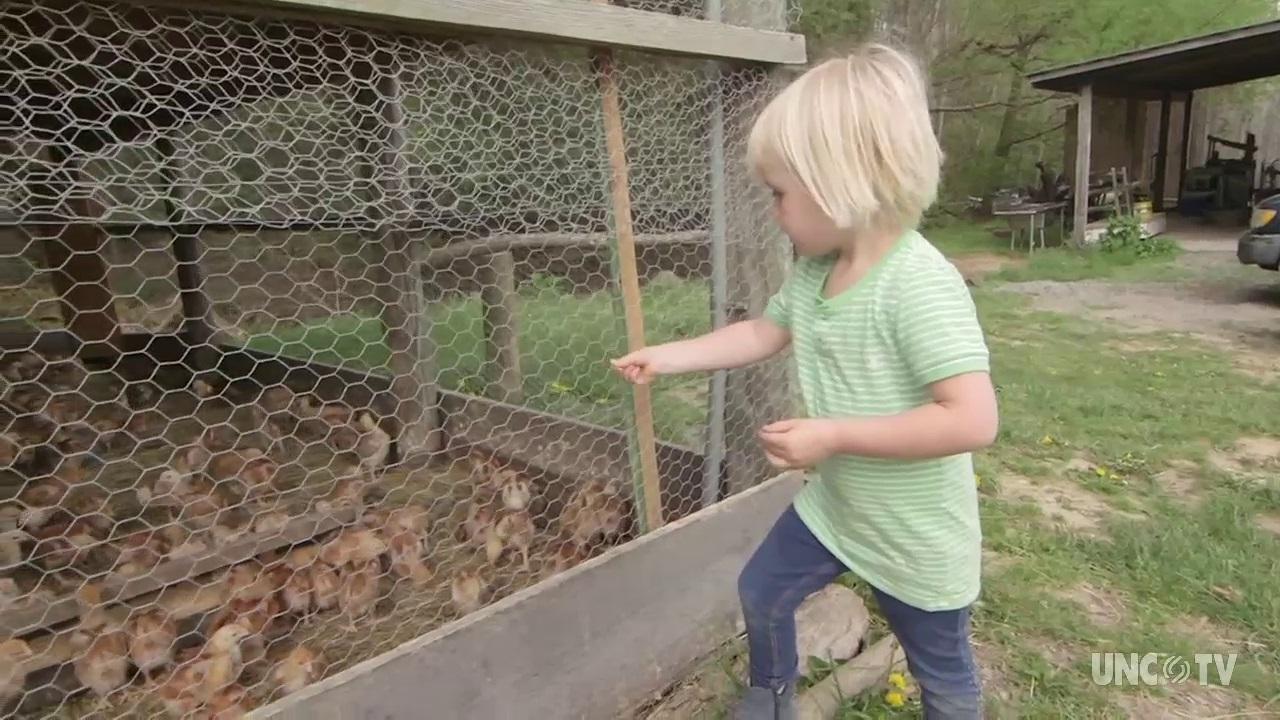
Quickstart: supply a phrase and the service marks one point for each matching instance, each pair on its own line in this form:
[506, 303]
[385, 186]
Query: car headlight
[1261, 217]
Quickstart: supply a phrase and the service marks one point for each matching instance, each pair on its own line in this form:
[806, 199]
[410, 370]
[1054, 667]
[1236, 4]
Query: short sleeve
[778, 309]
[937, 328]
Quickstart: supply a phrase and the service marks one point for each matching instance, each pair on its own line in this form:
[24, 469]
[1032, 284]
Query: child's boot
[759, 703]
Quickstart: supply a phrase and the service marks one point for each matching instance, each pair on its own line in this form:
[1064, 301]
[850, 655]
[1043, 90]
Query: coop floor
[403, 612]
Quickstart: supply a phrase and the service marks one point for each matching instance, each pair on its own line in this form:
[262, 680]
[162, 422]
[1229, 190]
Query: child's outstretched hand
[642, 365]
[797, 443]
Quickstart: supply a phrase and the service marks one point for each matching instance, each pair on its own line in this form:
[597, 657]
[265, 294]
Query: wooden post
[395, 257]
[502, 337]
[615, 142]
[197, 311]
[75, 251]
[1162, 156]
[1186, 143]
[715, 445]
[1134, 136]
[1084, 141]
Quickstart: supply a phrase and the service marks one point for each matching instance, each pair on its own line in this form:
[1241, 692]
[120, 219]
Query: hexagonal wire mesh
[250, 267]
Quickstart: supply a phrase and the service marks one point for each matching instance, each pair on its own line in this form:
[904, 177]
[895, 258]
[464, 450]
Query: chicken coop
[307, 311]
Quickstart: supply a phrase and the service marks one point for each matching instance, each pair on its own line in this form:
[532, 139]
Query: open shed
[1169, 73]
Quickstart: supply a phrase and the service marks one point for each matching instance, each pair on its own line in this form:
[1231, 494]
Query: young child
[893, 369]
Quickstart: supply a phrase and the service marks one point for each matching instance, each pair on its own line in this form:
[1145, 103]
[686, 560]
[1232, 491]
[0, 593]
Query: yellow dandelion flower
[895, 699]
[977, 479]
[1047, 440]
[898, 680]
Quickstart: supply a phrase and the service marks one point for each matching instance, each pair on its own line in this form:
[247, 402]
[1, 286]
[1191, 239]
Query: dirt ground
[1221, 301]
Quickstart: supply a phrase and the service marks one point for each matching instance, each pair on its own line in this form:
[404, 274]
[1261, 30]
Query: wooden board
[558, 20]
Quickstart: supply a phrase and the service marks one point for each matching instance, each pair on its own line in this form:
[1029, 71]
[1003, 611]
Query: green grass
[1056, 262]
[566, 343]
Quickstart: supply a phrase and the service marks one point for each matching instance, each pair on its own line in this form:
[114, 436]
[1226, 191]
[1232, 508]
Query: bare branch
[969, 108]
[1038, 135]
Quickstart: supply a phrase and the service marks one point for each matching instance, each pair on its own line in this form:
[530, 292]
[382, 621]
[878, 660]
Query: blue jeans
[791, 564]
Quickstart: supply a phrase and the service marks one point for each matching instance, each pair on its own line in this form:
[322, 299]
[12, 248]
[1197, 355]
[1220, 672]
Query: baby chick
[355, 547]
[326, 584]
[152, 636]
[516, 490]
[181, 692]
[516, 529]
[566, 555]
[467, 591]
[301, 667]
[270, 522]
[224, 658]
[14, 655]
[359, 592]
[230, 703]
[405, 551]
[102, 664]
[373, 447]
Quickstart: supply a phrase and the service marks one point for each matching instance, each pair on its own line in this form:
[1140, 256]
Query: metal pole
[714, 457]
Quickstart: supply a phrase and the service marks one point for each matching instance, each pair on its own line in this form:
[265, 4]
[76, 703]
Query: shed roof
[1221, 58]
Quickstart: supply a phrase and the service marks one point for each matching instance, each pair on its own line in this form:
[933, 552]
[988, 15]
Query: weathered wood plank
[593, 643]
[541, 241]
[501, 332]
[394, 255]
[1162, 155]
[74, 250]
[1084, 145]
[568, 21]
[629, 281]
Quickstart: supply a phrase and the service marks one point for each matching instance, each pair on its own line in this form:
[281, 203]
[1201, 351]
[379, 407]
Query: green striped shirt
[909, 528]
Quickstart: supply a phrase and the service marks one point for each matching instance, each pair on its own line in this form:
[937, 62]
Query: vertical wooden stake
[499, 304]
[1162, 159]
[1084, 144]
[75, 249]
[602, 61]
[396, 256]
[1186, 143]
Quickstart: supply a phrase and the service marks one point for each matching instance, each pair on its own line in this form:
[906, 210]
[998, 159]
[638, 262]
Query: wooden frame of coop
[421, 421]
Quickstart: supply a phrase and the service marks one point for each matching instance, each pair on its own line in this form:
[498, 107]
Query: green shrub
[1125, 234]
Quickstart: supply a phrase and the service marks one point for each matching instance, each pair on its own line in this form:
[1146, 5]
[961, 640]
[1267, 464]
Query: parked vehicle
[1261, 245]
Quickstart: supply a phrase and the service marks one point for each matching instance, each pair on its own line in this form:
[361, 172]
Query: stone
[830, 625]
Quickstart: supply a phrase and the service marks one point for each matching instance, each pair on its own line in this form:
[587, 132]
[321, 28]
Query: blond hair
[856, 132]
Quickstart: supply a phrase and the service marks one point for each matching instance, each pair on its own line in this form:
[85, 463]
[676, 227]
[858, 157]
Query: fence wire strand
[297, 247]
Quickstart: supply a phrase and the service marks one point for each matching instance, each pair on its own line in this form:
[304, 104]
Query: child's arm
[962, 417]
[732, 346]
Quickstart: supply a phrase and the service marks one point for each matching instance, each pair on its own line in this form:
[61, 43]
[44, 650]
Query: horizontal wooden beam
[568, 21]
[36, 616]
[543, 241]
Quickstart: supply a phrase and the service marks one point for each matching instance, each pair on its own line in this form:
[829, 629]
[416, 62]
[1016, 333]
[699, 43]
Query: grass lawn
[1117, 515]
[566, 343]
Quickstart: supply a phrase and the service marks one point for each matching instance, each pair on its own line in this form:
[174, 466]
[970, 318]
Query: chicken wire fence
[250, 266]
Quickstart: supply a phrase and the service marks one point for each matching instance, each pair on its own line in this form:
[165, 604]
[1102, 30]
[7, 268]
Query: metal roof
[1220, 58]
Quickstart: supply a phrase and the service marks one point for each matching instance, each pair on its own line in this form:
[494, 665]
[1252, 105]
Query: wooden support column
[1084, 146]
[501, 327]
[75, 249]
[1162, 155]
[1186, 142]
[197, 311]
[396, 260]
[627, 276]
[1134, 136]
